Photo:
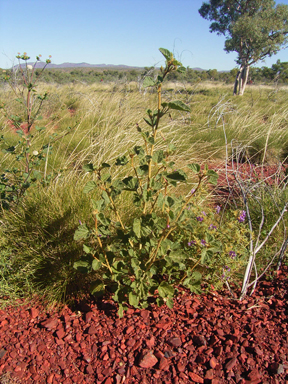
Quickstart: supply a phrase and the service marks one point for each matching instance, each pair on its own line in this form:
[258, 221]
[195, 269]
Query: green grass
[36, 237]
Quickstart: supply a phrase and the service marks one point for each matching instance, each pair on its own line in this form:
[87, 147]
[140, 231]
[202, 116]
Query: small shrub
[144, 254]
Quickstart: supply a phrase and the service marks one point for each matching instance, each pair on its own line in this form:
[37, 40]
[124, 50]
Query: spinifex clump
[138, 257]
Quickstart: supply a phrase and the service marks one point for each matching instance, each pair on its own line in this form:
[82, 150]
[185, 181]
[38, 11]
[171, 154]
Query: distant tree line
[277, 73]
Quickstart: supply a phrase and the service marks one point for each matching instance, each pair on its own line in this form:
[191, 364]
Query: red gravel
[204, 339]
[227, 185]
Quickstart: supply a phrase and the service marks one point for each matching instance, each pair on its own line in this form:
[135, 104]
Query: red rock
[164, 364]
[209, 374]
[150, 342]
[60, 333]
[148, 360]
[196, 378]
[50, 324]
[199, 340]
[181, 367]
[231, 364]
[175, 341]
[129, 329]
[163, 324]
[50, 378]
[34, 312]
[254, 375]
[213, 362]
[145, 314]
[131, 342]
[92, 330]
[89, 369]
[88, 316]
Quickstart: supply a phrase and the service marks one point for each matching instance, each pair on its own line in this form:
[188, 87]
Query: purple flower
[242, 217]
[192, 191]
[218, 209]
[204, 213]
[192, 242]
[211, 226]
[80, 222]
[227, 268]
[168, 226]
[203, 242]
[232, 254]
[199, 218]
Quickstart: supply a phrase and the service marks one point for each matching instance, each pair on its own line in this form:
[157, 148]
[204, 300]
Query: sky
[128, 32]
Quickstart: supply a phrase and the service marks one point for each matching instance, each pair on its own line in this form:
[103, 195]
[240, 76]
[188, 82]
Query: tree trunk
[241, 80]
[237, 80]
[244, 78]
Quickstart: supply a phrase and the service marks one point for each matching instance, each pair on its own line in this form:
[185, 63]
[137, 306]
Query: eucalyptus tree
[255, 29]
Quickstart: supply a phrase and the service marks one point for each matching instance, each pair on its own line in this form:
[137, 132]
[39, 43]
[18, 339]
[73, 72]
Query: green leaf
[196, 276]
[98, 205]
[143, 169]
[96, 265]
[122, 160]
[88, 167]
[178, 105]
[40, 128]
[159, 79]
[148, 122]
[82, 266]
[171, 148]
[170, 201]
[97, 287]
[138, 150]
[167, 54]
[177, 176]
[165, 290]
[195, 167]
[82, 232]
[170, 303]
[148, 82]
[103, 220]
[212, 177]
[105, 165]
[151, 140]
[131, 182]
[158, 156]
[120, 311]
[106, 177]
[9, 150]
[181, 69]
[87, 249]
[133, 299]
[90, 186]
[137, 227]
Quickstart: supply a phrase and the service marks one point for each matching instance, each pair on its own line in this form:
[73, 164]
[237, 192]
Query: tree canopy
[255, 29]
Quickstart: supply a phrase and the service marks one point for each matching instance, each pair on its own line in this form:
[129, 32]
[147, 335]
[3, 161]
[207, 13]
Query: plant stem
[101, 246]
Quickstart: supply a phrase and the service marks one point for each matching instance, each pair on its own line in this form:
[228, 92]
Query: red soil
[204, 339]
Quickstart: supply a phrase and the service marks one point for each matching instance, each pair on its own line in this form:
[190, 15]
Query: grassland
[97, 123]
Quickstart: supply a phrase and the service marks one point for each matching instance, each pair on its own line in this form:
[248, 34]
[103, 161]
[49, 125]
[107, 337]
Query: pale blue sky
[113, 32]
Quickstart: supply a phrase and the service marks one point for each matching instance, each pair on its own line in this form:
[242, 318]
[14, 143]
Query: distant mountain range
[41, 64]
